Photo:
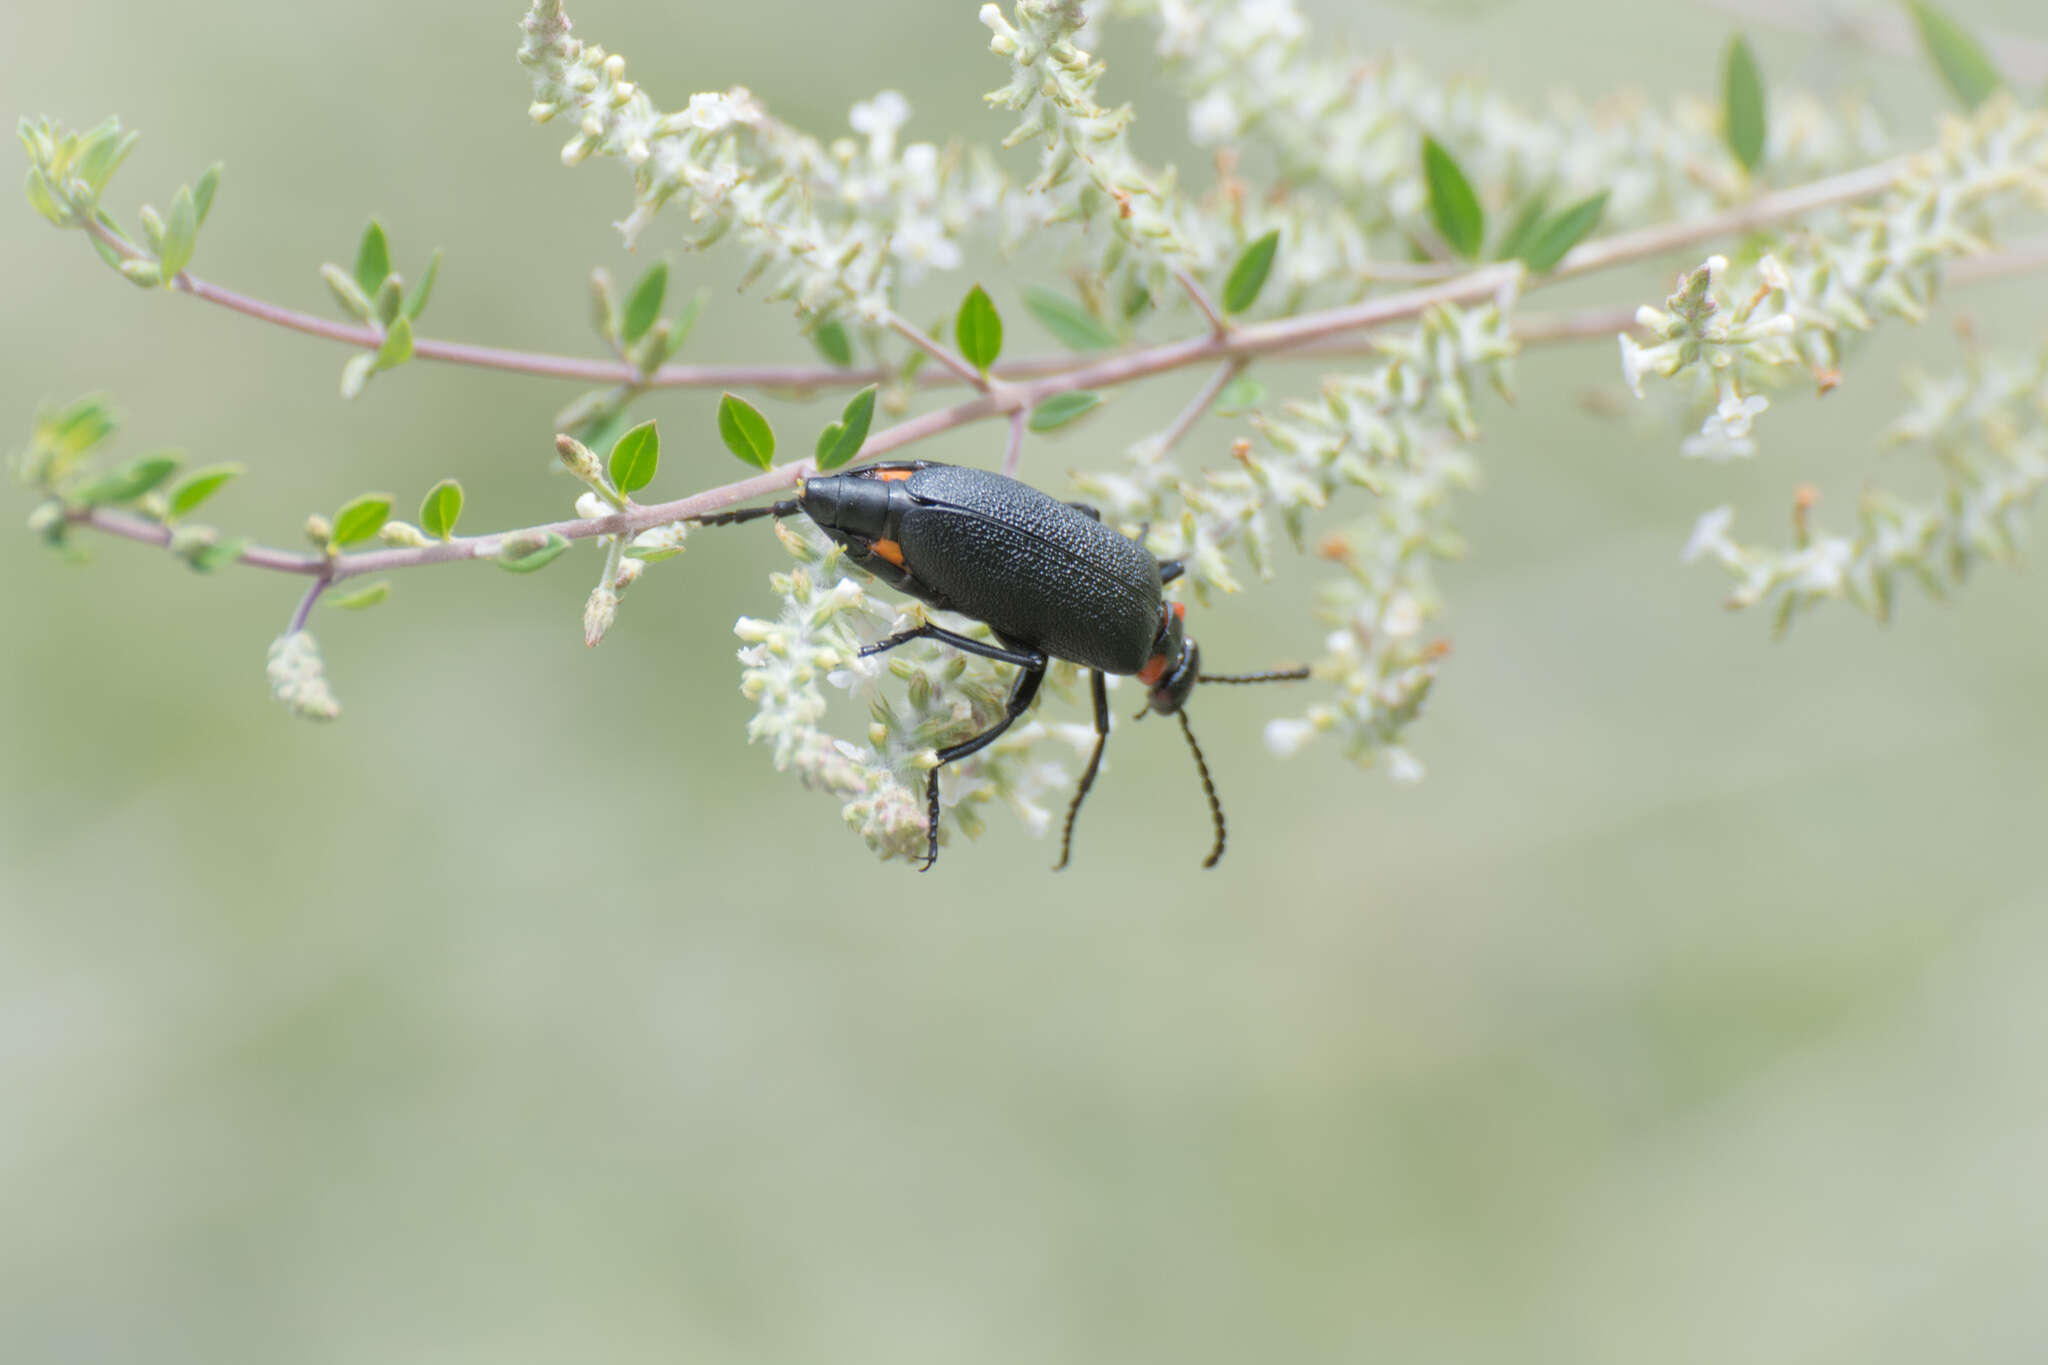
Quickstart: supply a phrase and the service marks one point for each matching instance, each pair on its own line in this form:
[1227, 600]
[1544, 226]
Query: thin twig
[1199, 404]
[1014, 455]
[305, 609]
[2024, 61]
[1217, 326]
[1307, 335]
[915, 335]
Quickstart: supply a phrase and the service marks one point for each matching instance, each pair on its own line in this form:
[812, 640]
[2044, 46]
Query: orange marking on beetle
[1154, 669]
[891, 475]
[1180, 611]
[889, 550]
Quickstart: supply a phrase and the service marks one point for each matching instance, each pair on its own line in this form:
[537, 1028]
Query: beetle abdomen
[1037, 571]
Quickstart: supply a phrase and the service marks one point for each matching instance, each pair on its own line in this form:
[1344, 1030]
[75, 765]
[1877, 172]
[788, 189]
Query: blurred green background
[1687, 1013]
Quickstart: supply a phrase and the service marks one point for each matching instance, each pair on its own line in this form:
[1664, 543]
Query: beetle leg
[1087, 509]
[1170, 569]
[1094, 762]
[1021, 697]
[1023, 658]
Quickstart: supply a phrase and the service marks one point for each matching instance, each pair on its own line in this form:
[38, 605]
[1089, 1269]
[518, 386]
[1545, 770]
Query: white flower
[711, 111]
[881, 116]
[921, 167]
[1213, 118]
[1404, 768]
[1631, 364]
[1725, 433]
[1270, 19]
[921, 244]
[1402, 617]
[1286, 738]
[1710, 535]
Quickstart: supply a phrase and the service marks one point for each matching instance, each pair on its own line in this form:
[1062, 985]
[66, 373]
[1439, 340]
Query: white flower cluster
[1348, 125]
[837, 227]
[794, 664]
[1988, 432]
[1389, 431]
[298, 678]
[1790, 312]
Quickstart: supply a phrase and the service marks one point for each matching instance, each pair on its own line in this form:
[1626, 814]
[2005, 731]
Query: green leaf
[1515, 240]
[685, 320]
[645, 304]
[1452, 205]
[1957, 55]
[355, 375]
[104, 151]
[181, 233]
[145, 274]
[1062, 408]
[397, 347]
[41, 199]
[202, 193]
[745, 431]
[1549, 243]
[979, 329]
[373, 259]
[833, 343]
[390, 300]
[1248, 273]
[526, 553]
[129, 482]
[847, 435]
[369, 595]
[1240, 396]
[635, 458]
[195, 488]
[828, 442]
[440, 509]
[78, 428]
[360, 519]
[416, 301]
[207, 558]
[1072, 325]
[1742, 104]
[347, 292]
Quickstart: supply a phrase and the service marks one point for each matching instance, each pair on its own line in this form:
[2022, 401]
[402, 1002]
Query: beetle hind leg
[1021, 696]
[1101, 696]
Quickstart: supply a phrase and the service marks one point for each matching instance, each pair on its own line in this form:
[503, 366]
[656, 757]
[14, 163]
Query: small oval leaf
[373, 259]
[1549, 243]
[360, 519]
[440, 509]
[1742, 104]
[851, 428]
[1072, 325]
[129, 482]
[369, 595]
[833, 343]
[416, 301]
[1062, 408]
[202, 193]
[181, 233]
[397, 347]
[1248, 274]
[1527, 219]
[828, 445]
[979, 329]
[645, 304]
[635, 458]
[745, 431]
[524, 554]
[1452, 204]
[1957, 55]
[195, 488]
[1240, 396]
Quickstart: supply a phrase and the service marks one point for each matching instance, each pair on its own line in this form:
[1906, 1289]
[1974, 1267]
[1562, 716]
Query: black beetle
[1046, 576]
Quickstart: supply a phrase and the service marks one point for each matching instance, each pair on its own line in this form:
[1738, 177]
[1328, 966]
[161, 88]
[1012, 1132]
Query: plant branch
[1202, 301]
[2024, 61]
[306, 603]
[1013, 456]
[1199, 404]
[915, 335]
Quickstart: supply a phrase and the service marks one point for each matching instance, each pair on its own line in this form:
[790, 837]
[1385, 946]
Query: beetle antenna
[773, 509]
[1215, 806]
[1274, 675]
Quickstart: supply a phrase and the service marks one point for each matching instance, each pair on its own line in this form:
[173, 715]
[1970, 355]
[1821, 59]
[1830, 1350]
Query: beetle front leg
[1021, 697]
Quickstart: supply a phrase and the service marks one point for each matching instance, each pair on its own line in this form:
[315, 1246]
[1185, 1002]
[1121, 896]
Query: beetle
[1047, 577]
